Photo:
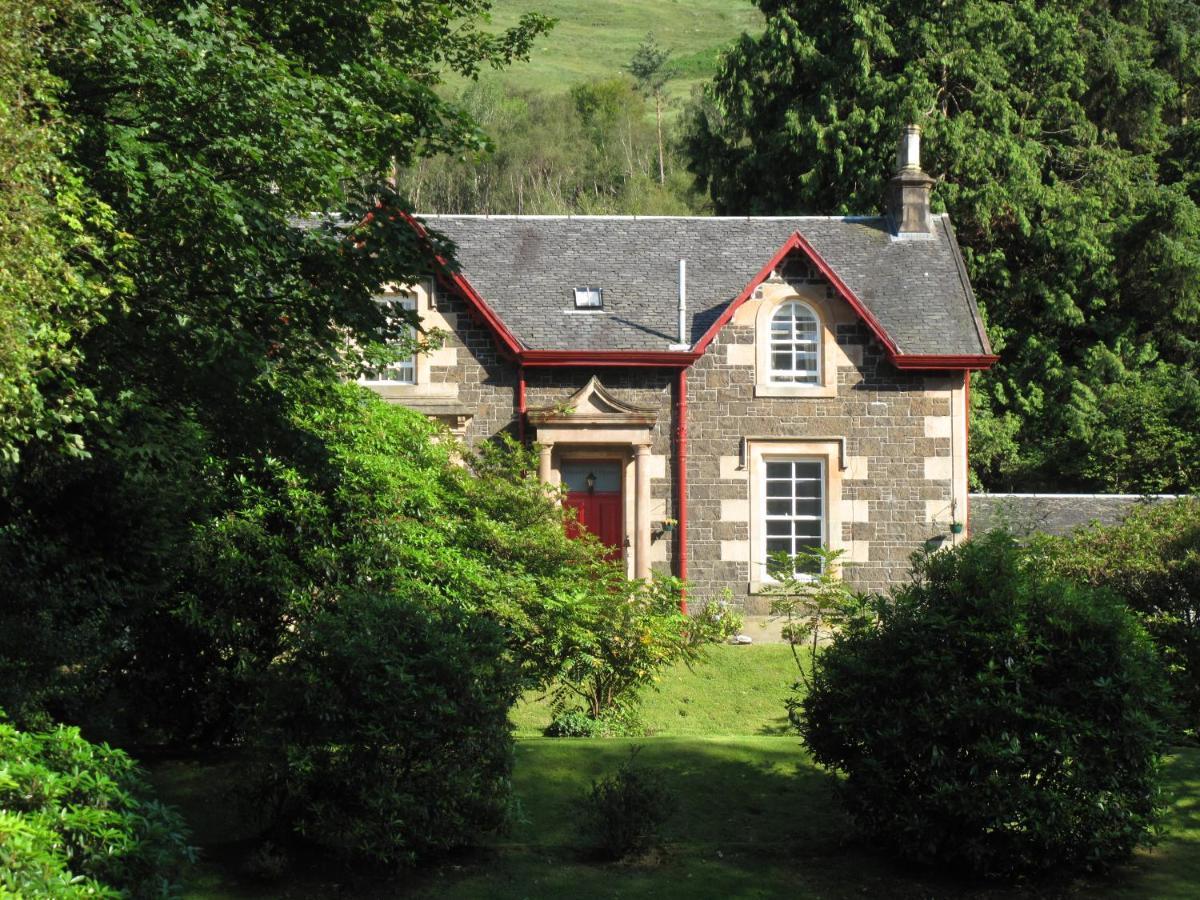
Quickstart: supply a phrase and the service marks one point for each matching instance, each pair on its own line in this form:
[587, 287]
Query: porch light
[590, 481]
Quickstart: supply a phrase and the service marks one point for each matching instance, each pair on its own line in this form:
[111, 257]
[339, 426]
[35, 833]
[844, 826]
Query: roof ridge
[626, 218]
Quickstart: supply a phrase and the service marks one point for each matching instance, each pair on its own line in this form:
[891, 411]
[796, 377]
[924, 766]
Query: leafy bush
[993, 718]
[616, 721]
[624, 812]
[1152, 560]
[389, 740]
[76, 820]
[628, 632]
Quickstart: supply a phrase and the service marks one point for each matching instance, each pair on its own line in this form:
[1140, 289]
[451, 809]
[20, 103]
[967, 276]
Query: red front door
[594, 492]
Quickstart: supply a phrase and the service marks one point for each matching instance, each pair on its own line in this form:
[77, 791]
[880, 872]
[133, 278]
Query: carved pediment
[593, 405]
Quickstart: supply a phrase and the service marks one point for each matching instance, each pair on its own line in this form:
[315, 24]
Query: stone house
[712, 390]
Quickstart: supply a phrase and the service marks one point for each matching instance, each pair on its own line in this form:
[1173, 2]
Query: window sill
[771, 389]
[441, 390]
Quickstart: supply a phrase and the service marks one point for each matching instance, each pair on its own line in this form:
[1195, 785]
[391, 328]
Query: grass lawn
[595, 39]
[756, 818]
[741, 690]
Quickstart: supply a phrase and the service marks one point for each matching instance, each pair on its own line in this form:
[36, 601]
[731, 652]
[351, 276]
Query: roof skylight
[589, 298]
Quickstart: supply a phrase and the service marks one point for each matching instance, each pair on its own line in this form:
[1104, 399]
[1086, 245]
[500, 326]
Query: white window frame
[767, 517]
[401, 371]
[793, 344]
[760, 451]
[829, 356]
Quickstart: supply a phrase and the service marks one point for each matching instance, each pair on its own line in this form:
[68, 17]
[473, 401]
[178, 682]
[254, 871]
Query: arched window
[795, 344]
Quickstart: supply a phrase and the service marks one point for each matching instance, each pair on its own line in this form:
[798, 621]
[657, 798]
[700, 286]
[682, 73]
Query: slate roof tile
[526, 268]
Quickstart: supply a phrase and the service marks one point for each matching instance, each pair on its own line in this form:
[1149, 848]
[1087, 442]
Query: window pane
[779, 470]
[778, 545]
[807, 488]
[779, 528]
[808, 508]
[779, 489]
[779, 507]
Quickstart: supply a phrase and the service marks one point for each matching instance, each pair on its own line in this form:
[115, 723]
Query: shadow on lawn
[755, 819]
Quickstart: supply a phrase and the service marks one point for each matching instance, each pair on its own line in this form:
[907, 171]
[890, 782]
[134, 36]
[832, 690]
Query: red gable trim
[683, 359]
[472, 296]
[797, 242]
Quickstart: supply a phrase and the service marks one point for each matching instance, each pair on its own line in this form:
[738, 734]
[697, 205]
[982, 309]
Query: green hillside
[596, 38]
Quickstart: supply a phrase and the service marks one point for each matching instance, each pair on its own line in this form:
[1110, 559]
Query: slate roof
[526, 268]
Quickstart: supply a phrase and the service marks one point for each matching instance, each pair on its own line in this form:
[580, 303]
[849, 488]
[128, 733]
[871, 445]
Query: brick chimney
[908, 190]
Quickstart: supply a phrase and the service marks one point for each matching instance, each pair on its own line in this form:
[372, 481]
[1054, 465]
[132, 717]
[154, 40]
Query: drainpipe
[967, 450]
[521, 408]
[681, 478]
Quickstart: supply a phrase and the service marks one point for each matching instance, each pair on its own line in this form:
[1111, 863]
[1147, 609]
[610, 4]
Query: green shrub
[624, 812]
[390, 739]
[1152, 560]
[76, 820]
[627, 632]
[616, 721]
[994, 719]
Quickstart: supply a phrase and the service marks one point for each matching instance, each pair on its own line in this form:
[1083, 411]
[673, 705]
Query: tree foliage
[994, 718]
[591, 150]
[1064, 137]
[78, 820]
[1152, 560]
[199, 136]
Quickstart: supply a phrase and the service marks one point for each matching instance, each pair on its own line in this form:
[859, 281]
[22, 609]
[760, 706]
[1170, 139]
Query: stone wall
[1058, 514]
[904, 475]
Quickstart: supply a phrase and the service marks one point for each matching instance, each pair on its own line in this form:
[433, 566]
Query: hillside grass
[596, 39]
[756, 817]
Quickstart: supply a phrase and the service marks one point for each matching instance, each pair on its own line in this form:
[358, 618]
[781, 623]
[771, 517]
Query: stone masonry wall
[897, 488]
[899, 481]
[1058, 514]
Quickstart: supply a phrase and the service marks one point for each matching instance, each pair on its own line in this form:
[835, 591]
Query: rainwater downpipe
[681, 482]
[521, 408]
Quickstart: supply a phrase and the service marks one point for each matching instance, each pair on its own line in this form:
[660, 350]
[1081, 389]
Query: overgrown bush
[616, 721]
[390, 739]
[626, 634]
[1152, 560]
[78, 820]
[994, 719]
[624, 812]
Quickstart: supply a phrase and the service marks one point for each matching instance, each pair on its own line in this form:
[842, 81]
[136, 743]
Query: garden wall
[1052, 513]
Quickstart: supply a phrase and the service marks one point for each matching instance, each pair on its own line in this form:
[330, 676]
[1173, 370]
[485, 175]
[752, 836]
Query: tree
[649, 69]
[1064, 139]
[49, 222]
[203, 132]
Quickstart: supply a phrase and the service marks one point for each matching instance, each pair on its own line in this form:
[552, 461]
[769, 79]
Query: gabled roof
[913, 293]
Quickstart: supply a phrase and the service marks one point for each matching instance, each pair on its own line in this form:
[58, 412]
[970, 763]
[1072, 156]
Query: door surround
[593, 424]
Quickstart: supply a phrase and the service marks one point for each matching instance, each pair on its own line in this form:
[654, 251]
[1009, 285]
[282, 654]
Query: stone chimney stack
[908, 191]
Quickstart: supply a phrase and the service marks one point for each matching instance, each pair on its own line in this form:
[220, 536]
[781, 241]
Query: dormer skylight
[589, 298]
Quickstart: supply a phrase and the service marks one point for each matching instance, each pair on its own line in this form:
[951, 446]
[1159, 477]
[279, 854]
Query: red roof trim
[763, 274]
[797, 242]
[915, 362]
[472, 296]
[683, 359]
[656, 358]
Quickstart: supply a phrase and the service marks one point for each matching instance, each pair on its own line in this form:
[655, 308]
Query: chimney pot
[908, 190]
